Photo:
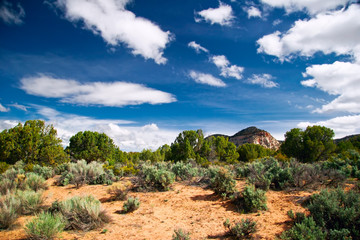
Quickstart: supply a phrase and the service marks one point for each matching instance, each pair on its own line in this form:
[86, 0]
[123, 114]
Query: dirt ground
[191, 208]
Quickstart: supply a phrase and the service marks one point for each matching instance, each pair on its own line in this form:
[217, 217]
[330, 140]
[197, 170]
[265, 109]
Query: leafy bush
[131, 205]
[45, 172]
[3, 167]
[156, 177]
[223, 182]
[251, 199]
[35, 182]
[119, 190]
[307, 229]
[83, 213]
[64, 167]
[9, 208]
[184, 171]
[241, 230]
[30, 202]
[45, 226]
[180, 234]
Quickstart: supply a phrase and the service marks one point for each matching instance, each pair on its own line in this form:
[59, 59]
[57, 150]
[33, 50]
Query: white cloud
[227, 70]
[4, 109]
[342, 126]
[207, 79]
[253, 12]
[115, 94]
[222, 15]
[310, 6]
[341, 79]
[7, 124]
[276, 22]
[336, 32]
[198, 48]
[117, 25]
[264, 80]
[10, 15]
[19, 106]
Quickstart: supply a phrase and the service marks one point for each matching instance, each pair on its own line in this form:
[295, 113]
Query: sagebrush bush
[306, 229]
[45, 226]
[251, 199]
[241, 230]
[59, 169]
[184, 171]
[43, 171]
[35, 182]
[156, 178]
[7, 185]
[131, 204]
[119, 190]
[31, 202]
[223, 182]
[9, 210]
[180, 234]
[83, 213]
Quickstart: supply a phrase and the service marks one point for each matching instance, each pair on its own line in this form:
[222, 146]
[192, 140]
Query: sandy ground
[191, 208]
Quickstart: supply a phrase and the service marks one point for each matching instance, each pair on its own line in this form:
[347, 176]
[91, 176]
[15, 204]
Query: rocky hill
[253, 135]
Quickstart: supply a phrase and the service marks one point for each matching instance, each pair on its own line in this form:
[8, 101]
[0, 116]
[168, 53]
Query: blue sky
[142, 71]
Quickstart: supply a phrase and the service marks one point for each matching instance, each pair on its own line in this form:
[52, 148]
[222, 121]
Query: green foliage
[9, 209]
[35, 182]
[3, 167]
[92, 146]
[61, 168]
[223, 182]
[43, 171]
[347, 162]
[180, 234]
[34, 143]
[241, 230]
[337, 210]
[186, 146]
[305, 230]
[83, 213]
[184, 171]
[314, 144]
[251, 199]
[30, 202]
[131, 205]
[249, 152]
[225, 150]
[261, 173]
[45, 226]
[156, 177]
[119, 190]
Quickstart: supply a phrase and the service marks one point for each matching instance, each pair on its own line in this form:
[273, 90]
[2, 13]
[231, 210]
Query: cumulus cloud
[114, 94]
[340, 79]
[336, 32]
[116, 25]
[197, 47]
[342, 126]
[253, 12]
[4, 109]
[223, 15]
[10, 15]
[264, 80]
[207, 79]
[227, 70]
[312, 6]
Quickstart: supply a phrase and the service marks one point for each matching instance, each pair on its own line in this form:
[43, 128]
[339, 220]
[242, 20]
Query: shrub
[223, 182]
[184, 171]
[9, 208]
[35, 182]
[83, 213]
[119, 190]
[251, 199]
[64, 167]
[131, 205]
[307, 229]
[3, 167]
[180, 234]
[45, 172]
[45, 226]
[156, 177]
[30, 202]
[7, 185]
[241, 230]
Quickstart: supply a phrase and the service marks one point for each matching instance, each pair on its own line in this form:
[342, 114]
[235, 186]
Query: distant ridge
[252, 135]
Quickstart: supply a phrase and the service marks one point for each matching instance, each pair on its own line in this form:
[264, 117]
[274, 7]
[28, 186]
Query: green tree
[250, 151]
[92, 146]
[33, 143]
[314, 144]
[186, 146]
[225, 150]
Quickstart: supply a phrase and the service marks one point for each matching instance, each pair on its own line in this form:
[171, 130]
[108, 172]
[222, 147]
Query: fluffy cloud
[342, 126]
[336, 32]
[311, 6]
[117, 25]
[264, 80]
[208, 79]
[227, 70]
[253, 12]
[3, 109]
[340, 79]
[10, 15]
[222, 15]
[115, 94]
[198, 48]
